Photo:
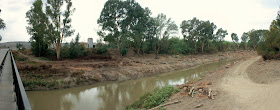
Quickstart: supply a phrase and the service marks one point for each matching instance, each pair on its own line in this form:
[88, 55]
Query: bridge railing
[21, 97]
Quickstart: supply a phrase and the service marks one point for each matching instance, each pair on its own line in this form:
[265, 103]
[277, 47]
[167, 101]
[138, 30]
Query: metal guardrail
[21, 97]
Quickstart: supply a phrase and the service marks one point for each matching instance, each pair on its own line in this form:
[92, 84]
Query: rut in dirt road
[249, 95]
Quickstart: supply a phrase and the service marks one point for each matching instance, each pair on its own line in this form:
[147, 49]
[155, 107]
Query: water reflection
[112, 95]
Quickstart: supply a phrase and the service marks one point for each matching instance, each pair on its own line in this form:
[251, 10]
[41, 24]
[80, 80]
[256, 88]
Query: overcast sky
[236, 16]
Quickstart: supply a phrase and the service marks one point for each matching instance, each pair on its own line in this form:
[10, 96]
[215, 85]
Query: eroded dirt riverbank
[45, 75]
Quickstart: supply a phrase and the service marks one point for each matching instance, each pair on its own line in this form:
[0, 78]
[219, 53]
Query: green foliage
[256, 36]
[2, 26]
[74, 50]
[220, 35]
[269, 48]
[60, 21]
[165, 27]
[38, 82]
[19, 46]
[124, 23]
[20, 58]
[152, 100]
[38, 29]
[244, 38]
[101, 49]
[200, 32]
[177, 46]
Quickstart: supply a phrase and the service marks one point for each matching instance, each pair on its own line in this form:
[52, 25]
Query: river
[113, 95]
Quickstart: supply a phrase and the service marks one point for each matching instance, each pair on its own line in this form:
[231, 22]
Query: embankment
[45, 75]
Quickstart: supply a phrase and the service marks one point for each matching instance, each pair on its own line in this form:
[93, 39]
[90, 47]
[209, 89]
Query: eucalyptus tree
[235, 39]
[220, 35]
[59, 22]
[2, 25]
[37, 28]
[245, 38]
[124, 24]
[165, 27]
[190, 32]
[135, 23]
[206, 33]
[111, 19]
[256, 36]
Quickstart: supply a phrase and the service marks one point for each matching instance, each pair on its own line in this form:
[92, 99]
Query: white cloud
[234, 15]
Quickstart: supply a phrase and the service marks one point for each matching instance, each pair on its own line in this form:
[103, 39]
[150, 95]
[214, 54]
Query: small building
[91, 44]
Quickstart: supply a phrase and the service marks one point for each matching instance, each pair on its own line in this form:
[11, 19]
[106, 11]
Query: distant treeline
[126, 25]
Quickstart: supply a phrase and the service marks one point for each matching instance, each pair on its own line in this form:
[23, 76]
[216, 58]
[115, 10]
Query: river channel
[113, 95]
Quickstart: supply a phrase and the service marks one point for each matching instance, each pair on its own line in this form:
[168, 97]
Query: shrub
[154, 99]
[101, 49]
[73, 50]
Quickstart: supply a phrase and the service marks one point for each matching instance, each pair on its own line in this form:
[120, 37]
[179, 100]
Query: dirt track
[245, 94]
[249, 84]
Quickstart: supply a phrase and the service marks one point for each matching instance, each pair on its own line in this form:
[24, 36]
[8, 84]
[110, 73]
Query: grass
[153, 99]
[44, 58]
[20, 58]
[32, 83]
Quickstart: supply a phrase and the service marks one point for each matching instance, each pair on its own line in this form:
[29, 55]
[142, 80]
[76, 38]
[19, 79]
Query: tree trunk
[195, 47]
[220, 48]
[202, 47]
[58, 48]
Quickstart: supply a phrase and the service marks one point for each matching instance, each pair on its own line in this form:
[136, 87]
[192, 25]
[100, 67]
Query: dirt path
[245, 93]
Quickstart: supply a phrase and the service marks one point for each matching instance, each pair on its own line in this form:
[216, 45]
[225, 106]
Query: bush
[211, 49]
[178, 46]
[74, 50]
[101, 49]
[152, 100]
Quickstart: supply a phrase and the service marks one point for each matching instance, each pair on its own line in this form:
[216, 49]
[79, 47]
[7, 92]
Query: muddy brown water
[114, 95]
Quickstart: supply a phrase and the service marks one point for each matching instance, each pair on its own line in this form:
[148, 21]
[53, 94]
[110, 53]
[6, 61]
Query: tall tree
[245, 38]
[135, 24]
[220, 35]
[235, 39]
[205, 32]
[111, 19]
[256, 36]
[59, 21]
[190, 32]
[37, 28]
[165, 28]
[2, 25]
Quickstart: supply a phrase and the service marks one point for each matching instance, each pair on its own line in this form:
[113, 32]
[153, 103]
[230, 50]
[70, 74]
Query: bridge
[12, 93]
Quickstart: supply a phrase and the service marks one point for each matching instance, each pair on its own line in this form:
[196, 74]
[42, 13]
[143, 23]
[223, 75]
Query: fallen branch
[191, 90]
[165, 105]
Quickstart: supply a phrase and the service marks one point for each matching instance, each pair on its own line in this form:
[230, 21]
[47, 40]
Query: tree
[124, 24]
[59, 22]
[110, 20]
[269, 48]
[37, 21]
[164, 29]
[2, 25]
[150, 34]
[75, 48]
[220, 35]
[135, 24]
[205, 33]
[245, 38]
[235, 39]
[256, 36]
[189, 31]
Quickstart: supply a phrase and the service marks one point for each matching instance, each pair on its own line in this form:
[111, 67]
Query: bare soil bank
[245, 85]
[44, 75]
